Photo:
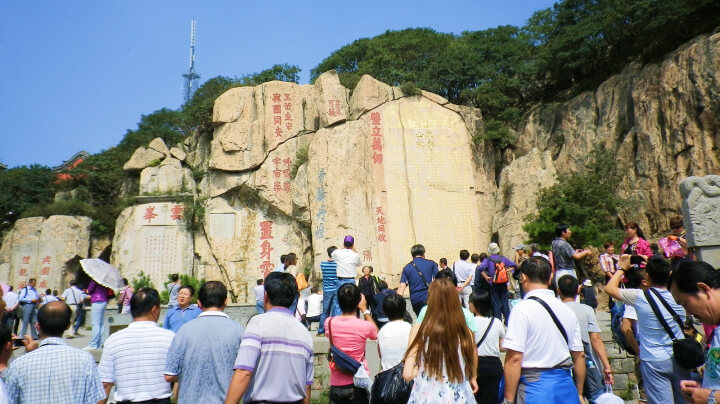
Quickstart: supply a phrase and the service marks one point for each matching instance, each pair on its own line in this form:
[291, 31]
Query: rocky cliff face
[294, 168]
[396, 170]
[662, 121]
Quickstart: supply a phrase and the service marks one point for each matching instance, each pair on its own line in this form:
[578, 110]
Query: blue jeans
[331, 308]
[79, 318]
[500, 303]
[341, 282]
[97, 315]
[29, 316]
[259, 307]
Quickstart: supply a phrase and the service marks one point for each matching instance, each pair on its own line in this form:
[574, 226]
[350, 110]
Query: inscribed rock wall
[45, 249]
[152, 238]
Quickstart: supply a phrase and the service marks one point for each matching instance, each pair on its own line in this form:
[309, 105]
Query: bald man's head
[54, 318]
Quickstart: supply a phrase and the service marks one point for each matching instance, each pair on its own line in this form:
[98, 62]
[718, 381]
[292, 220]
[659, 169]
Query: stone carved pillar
[701, 213]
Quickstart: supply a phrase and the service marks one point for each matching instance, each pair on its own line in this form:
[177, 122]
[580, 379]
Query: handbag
[389, 386]
[688, 352]
[608, 397]
[341, 361]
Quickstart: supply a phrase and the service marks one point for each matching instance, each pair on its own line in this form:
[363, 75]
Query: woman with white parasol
[104, 278]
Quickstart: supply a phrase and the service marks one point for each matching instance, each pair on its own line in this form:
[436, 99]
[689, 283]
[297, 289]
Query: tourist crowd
[533, 308]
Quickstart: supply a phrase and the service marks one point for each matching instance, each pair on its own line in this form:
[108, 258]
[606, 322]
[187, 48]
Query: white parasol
[102, 273]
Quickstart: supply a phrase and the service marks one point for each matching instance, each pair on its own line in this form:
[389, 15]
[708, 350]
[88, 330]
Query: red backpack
[500, 275]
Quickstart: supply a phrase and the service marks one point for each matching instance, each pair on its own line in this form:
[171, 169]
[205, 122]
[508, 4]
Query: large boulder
[168, 178]
[145, 156]
[400, 175]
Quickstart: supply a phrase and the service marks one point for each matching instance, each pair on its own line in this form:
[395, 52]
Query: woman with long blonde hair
[441, 357]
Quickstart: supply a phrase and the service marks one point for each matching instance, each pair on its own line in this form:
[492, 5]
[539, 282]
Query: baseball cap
[587, 282]
[349, 240]
[519, 247]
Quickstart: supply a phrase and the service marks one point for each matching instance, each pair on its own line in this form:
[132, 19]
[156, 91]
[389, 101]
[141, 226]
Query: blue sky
[76, 75]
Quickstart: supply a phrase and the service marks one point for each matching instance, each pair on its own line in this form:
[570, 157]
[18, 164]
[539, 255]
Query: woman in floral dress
[441, 358]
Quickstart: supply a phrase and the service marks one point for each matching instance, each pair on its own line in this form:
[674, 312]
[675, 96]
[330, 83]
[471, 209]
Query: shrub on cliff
[586, 199]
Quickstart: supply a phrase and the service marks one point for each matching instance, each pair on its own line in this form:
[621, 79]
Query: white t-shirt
[491, 345]
[532, 331]
[464, 270]
[393, 342]
[630, 313]
[315, 305]
[347, 261]
[259, 292]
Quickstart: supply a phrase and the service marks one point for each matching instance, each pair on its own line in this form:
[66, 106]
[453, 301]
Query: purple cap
[349, 239]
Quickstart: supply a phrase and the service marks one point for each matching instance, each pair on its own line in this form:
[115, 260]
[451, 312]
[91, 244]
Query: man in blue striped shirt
[272, 341]
[329, 278]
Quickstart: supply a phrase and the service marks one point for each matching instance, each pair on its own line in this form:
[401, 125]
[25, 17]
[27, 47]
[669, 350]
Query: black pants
[489, 374]
[348, 395]
[417, 306]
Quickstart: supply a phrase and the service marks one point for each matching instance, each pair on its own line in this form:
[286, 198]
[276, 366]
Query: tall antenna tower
[191, 77]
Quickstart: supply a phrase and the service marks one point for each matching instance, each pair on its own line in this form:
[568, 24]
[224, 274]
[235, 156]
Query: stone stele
[701, 213]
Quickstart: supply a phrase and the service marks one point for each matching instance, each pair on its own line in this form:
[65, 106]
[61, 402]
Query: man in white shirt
[540, 349]
[12, 307]
[315, 306]
[348, 261]
[134, 358]
[74, 297]
[464, 272]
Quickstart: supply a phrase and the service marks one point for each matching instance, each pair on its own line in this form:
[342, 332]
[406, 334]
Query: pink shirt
[642, 248]
[349, 334]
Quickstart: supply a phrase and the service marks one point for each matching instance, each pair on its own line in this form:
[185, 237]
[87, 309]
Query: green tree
[586, 199]
[394, 57]
[280, 72]
[22, 187]
[198, 111]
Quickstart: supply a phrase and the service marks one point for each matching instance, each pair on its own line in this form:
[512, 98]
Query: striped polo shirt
[329, 275]
[276, 342]
[134, 359]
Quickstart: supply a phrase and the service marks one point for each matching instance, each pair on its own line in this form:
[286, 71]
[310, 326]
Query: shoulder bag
[554, 318]
[343, 362]
[427, 284]
[687, 351]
